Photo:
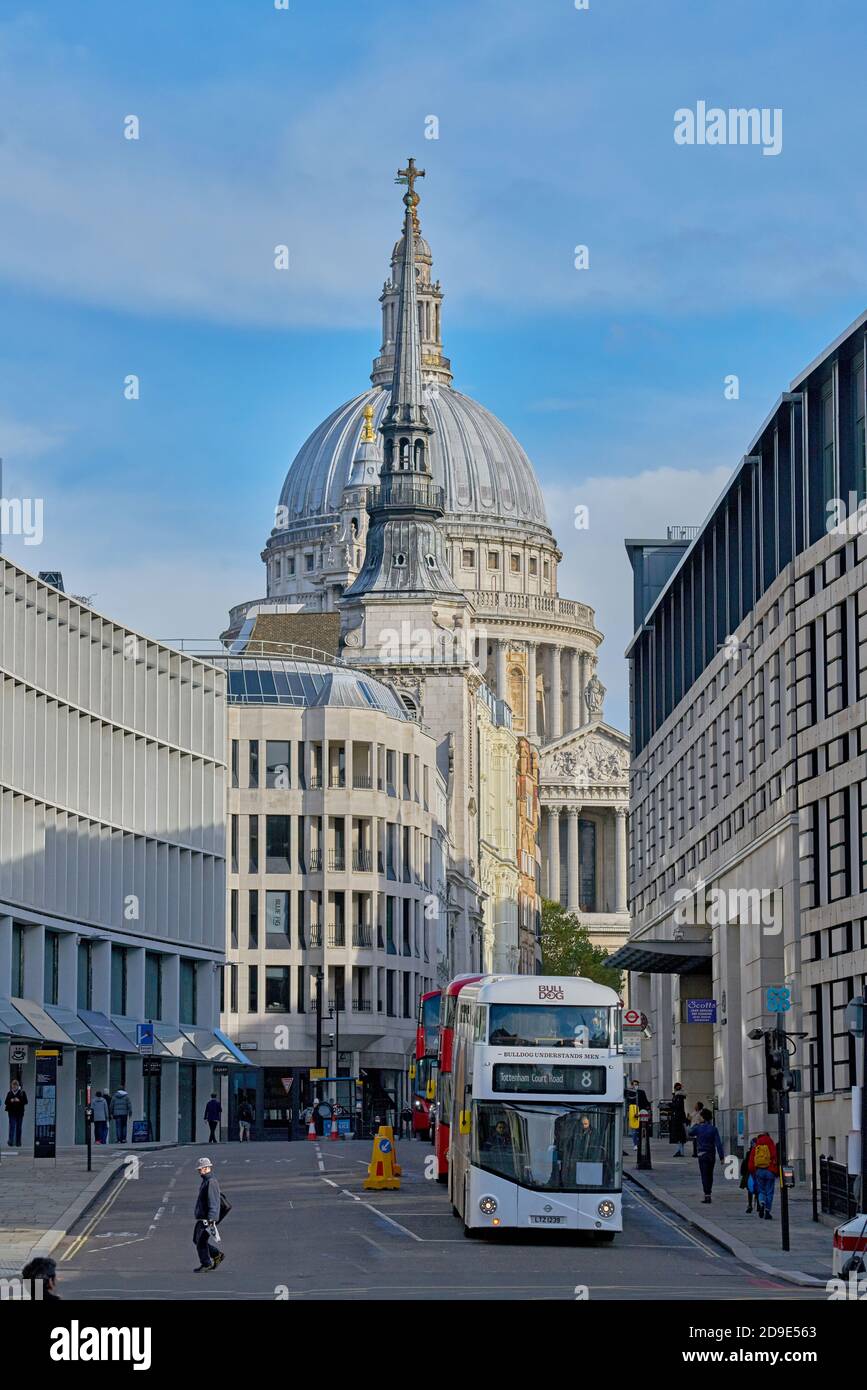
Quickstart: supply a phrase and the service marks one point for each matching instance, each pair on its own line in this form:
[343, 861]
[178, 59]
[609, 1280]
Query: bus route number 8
[587, 1080]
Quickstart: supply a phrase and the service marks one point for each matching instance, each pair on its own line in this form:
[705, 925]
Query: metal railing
[361, 1006]
[336, 935]
[362, 860]
[316, 936]
[362, 782]
[362, 936]
[336, 861]
[315, 861]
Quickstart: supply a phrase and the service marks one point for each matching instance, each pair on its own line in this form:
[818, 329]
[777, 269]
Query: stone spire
[406, 428]
[405, 554]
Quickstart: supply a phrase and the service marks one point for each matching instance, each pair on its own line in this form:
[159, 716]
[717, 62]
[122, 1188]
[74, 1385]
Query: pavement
[677, 1184]
[42, 1199]
[303, 1229]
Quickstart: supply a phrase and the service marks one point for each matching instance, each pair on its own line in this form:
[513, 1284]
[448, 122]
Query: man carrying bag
[211, 1207]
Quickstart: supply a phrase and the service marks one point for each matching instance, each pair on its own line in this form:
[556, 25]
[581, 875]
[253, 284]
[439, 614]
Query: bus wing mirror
[464, 1125]
[412, 1071]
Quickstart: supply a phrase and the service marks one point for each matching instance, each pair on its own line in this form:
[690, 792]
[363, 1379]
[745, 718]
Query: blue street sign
[144, 1035]
[779, 999]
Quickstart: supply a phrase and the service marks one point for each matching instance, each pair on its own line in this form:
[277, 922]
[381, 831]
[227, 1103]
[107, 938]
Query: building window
[233, 988]
[254, 844]
[233, 918]
[828, 452]
[277, 920]
[254, 762]
[253, 989]
[468, 559]
[290, 565]
[277, 764]
[233, 845]
[860, 438]
[153, 985]
[277, 989]
[18, 962]
[253, 919]
[188, 993]
[277, 568]
[534, 565]
[52, 960]
[546, 570]
[85, 975]
[277, 845]
[493, 559]
[118, 980]
[516, 563]
[234, 762]
[308, 561]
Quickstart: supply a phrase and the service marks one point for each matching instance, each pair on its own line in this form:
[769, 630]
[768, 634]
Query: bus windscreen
[548, 1025]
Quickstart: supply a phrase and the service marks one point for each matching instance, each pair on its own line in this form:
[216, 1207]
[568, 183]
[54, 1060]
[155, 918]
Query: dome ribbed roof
[480, 465]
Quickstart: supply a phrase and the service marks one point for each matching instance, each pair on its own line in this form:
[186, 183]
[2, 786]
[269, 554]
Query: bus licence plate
[546, 1220]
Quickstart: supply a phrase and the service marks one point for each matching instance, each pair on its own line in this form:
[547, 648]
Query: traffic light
[779, 1076]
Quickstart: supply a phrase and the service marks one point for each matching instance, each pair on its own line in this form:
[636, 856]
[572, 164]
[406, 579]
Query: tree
[568, 950]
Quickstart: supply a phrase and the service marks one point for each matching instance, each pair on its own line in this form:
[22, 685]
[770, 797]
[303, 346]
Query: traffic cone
[334, 1130]
[311, 1130]
[380, 1170]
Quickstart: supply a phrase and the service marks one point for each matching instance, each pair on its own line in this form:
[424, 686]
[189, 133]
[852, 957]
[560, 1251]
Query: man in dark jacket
[16, 1104]
[708, 1143]
[207, 1215]
[677, 1119]
[213, 1111]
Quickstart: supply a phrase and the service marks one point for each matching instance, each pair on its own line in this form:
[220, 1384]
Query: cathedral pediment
[593, 757]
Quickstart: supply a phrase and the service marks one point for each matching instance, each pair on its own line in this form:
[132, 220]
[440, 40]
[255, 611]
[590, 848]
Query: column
[501, 668]
[555, 721]
[583, 716]
[531, 690]
[34, 963]
[554, 853]
[576, 689]
[620, 895]
[573, 899]
[6, 956]
[101, 987]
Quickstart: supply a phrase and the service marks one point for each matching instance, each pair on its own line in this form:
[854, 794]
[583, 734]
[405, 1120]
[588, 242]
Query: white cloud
[595, 568]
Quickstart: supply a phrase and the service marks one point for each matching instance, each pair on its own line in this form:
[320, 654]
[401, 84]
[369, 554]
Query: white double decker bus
[537, 1105]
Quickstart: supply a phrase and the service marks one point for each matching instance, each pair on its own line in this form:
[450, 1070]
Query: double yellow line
[80, 1240]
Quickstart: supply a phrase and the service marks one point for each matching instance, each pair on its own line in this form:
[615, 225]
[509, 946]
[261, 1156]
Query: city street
[302, 1227]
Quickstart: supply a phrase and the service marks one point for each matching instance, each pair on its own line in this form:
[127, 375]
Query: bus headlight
[488, 1205]
[606, 1208]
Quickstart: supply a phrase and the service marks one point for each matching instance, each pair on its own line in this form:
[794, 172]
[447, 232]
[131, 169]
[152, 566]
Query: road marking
[687, 1235]
[79, 1242]
[391, 1221]
[330, 1183]
[347, 1193]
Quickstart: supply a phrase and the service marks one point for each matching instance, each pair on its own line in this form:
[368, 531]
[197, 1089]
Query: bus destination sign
[556, 1079]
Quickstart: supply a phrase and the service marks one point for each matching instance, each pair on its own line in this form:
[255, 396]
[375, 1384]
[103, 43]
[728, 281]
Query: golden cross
[409, 176]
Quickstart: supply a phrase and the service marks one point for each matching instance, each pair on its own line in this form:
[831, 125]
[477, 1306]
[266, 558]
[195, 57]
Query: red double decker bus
[448, 1009]
[426, 1057]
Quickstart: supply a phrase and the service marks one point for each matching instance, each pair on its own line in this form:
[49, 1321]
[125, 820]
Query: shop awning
[75, 1026]
[663, 957]
[108, 1033]
[127, 1026]
[215, 1048]
[237, 1054]
[15, 1025]
[178, 1044]
[47, 1028]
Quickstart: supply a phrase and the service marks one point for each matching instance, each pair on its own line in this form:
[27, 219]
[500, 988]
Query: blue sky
[261, 126]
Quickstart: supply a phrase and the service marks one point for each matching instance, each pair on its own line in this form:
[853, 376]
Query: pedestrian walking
[206, 1237]
[213, 1112]
[636, 1101]
[245, 1119]
[16, 1104]
[317, 1118]
[121, 1109]
[765, 1169]
[677, 1120]
[99, 1107]
[406, 1122]
[43, 1268]
[695, 1119]
[709, 1144]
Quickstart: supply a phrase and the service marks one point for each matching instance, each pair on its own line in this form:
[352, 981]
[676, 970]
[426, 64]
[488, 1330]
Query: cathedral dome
[485, 474]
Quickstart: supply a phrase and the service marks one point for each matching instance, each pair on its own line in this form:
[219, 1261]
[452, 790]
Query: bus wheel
[472, 1232]
[604, 1237]
[442, 1177]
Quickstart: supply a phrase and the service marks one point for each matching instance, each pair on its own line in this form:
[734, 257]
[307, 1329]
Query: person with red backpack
[765, 1171]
